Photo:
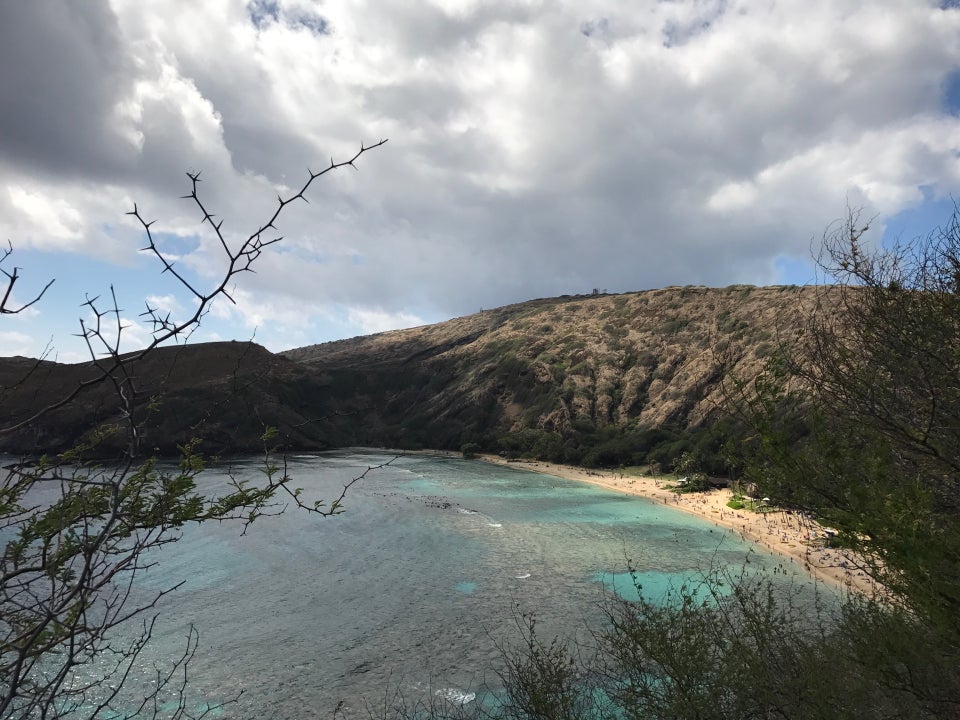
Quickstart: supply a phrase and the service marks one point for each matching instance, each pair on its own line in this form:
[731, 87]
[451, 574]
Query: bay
[414, 587]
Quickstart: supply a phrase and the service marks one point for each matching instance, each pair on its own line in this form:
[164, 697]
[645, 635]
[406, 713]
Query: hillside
[224, 392]
[555, 377]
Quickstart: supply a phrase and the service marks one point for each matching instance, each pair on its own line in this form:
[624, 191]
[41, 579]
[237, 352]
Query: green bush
[469, 450]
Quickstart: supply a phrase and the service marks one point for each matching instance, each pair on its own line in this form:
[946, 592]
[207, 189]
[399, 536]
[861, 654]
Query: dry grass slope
[561, 366]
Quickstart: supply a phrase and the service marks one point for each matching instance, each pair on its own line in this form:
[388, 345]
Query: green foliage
[617, 331]
[733, 647]
[671, 327]
[761, 652]
[611, 445]
[867, 439]
[582, 368]
[541, 682]
[66, 555]
[741, 502]
[686, 463]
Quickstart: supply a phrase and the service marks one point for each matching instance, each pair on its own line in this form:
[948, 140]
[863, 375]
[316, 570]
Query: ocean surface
[413, 588]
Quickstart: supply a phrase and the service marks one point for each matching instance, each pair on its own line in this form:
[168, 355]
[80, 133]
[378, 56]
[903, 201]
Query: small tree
[688, 465]
[77, 527]
[859, 422]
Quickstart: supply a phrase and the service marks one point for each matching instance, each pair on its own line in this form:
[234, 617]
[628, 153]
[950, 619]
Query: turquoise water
[414, 586]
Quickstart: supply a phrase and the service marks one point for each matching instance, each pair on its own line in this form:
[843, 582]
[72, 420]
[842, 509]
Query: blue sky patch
[951, 93]
[263, 12]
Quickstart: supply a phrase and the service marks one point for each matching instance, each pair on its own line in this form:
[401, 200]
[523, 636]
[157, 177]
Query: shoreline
[789, 535]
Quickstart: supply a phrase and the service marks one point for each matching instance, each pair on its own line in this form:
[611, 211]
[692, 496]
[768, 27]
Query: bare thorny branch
[239, 260]
[80, 532]
[12, 277]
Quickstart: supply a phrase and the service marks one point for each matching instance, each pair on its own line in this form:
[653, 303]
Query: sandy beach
[796, 538]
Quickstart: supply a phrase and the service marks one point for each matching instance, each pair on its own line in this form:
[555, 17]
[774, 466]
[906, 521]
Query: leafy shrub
[469, 450]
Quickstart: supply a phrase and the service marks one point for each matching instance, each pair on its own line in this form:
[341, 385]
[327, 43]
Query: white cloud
[164, 304]
[103, 334]
[52, 217]
[15, 343]
[374, 321]
[733, 196]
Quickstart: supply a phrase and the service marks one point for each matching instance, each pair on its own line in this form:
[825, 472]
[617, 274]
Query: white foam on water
[456, 696]
[494, 525]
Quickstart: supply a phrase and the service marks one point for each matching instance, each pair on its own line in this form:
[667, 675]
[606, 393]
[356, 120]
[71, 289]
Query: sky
[536, 148]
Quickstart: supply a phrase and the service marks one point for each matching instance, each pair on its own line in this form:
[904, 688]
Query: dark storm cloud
[63, 71]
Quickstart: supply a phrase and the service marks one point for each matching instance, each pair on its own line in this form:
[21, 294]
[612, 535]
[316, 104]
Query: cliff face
[559, 366]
